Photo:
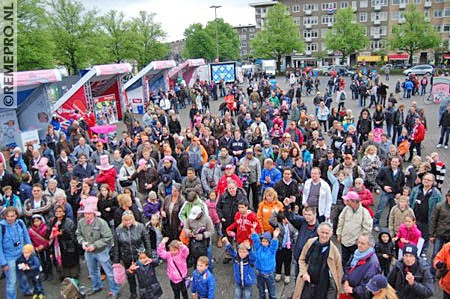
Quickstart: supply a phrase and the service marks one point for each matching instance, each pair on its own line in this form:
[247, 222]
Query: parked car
[343, 72]
[421, 69]
[340, 70]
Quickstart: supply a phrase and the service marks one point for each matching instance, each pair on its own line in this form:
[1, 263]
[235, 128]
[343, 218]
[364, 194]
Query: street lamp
[217, 33]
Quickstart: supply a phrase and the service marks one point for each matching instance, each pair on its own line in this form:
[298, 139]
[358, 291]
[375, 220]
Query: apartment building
[316, 17]
[176, 49]
[245, 33]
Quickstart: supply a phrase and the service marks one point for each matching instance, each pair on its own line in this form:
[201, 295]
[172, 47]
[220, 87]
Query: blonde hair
[157, 217]
[122, 197]
[127, 216]
[386, 293]
[370, 147]
[204, 260]
[271, 191]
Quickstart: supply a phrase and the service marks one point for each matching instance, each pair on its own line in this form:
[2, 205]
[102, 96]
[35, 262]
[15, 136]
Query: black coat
[67, 242]
[386, 178]
[228, 206]
[128, 242]
[423, 281]
[149, 287]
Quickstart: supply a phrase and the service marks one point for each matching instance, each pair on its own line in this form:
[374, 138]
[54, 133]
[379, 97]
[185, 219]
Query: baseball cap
[377, 283]
[229, 166]
[195, 211]
[411, 249]
[348, 156]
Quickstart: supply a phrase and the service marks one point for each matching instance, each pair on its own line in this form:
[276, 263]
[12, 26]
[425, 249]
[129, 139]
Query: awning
[446, 56]
[398, 57]
[369, 58]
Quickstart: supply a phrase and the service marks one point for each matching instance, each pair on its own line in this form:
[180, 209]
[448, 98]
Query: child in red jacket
[408, 233]
[244, 221]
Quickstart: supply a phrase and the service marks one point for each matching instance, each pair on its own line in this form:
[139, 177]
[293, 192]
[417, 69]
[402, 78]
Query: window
[378, 2]
[258, 11]
[314, 20]
[363, 3]
[244, 30]
[326, 19]
[251, 36]
[323, 32]
[311, 6]
[295, 8]
[242, 36]
[446, 28]
[397, 2]
[363, 17]
[417, 1]
[344, 4]
[354, 4]
[311, 47]
[377, 44]
[296, 20]
[447, 12]
[243, 44]
[251, 30]
[330, 5]
[243, 52]
[382, 16]
[311, 34]
[437, 13]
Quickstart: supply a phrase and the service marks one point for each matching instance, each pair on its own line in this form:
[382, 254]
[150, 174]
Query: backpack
[20, 223]
[342, 97]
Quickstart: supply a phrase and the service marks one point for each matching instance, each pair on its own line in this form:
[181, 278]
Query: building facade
[245, 33]
[315, 17]
[176, 49]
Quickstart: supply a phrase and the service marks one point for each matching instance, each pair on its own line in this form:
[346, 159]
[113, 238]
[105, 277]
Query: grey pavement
[223, 273]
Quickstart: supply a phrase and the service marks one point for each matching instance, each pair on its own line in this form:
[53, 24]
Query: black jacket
[228, 206]
[128, 242]
[384, 248]
[386, 178]
[423, 280]
[67, 242]
[445, 119]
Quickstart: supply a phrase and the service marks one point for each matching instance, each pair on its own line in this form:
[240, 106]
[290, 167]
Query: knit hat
[352, 195]
[267, 236]
[377, 283]
[152, 195]
[27, 248]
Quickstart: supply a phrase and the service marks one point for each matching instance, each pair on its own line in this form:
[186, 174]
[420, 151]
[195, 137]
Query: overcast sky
[176, 15]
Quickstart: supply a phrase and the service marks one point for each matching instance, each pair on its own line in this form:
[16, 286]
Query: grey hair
[52, 181]
[176, 186]
[359, 180]
[370, 238]
[60, 193]
[325, 224]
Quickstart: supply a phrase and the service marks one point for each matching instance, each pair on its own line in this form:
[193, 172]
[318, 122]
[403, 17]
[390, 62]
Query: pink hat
[90, 205]
[351, 196]
[104, 163]
[43, 170]
[142, 162]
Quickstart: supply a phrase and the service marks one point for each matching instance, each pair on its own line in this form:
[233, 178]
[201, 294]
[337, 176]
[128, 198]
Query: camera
[17, 244]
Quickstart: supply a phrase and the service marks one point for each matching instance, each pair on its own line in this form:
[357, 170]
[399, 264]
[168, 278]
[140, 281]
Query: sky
[176, 15]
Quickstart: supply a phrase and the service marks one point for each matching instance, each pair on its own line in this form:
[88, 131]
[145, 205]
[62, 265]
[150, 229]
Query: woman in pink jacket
[408, 233]
[176, 265]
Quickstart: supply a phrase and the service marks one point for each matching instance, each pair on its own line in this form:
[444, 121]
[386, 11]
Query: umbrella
[105, 129]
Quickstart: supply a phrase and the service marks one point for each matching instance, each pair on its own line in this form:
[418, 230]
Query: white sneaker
[415, 149]
[446, 147]
[439, 145]
[376, 228]
[287, 279]
[277, 277]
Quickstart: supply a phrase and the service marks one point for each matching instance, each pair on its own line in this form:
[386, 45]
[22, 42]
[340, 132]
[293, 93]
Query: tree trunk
[278, 64]
[410, 60]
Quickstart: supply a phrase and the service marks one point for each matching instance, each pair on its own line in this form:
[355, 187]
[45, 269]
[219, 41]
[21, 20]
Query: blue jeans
[241, 292]
[263, 281]
[12, 278]
[94, 261]
[385, 198]
[445, 131]
[388, 130]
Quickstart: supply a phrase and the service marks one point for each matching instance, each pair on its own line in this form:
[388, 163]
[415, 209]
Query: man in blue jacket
[270, 175]
[13, 236]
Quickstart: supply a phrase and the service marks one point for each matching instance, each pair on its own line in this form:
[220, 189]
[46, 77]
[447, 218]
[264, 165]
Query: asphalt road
[223, 273]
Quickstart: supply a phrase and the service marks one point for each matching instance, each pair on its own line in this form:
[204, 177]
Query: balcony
[427, 19]
[354, 9]
[330, 52]
[308, 26]
[308, 12]
[308, 39]
[427, 4]
[401, 20]
[402, 6]
[330, 25]
[377, 22]
[377, 7]
[376, 36]
[308, 53]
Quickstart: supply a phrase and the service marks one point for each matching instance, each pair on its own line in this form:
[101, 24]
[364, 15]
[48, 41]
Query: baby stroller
[71, 290]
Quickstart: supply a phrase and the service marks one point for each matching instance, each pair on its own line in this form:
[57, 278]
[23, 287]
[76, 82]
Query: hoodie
[412, 234]
[384, 248]
[16, 232]
[243, 269]
[265, 255]
[243, 225]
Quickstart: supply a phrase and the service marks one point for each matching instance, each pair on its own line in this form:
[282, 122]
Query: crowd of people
[273, 184]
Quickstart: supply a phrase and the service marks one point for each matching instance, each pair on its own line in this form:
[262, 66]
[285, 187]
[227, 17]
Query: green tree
[73, 33]
[279, 36]
[414, 33]
[198, 43]
[201, 41]
[346, 36]
[146, 36]
[35, 45]
[115, 36]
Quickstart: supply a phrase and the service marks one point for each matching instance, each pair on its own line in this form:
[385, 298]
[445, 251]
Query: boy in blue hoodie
[28, 265]
[203, 282]
[243, 269]
[265, 252]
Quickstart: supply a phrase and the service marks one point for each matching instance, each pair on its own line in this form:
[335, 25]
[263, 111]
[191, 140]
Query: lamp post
[217, 33]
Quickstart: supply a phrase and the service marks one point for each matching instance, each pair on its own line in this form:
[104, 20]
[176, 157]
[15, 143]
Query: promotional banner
[8, 128]
[106, 109]
[225, 71]
[28, 137]
[74, 108]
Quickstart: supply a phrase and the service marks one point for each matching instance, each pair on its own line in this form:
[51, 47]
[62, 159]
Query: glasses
[428, 180]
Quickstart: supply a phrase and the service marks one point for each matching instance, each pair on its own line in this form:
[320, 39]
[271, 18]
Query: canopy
[187, 70]
[373, 58]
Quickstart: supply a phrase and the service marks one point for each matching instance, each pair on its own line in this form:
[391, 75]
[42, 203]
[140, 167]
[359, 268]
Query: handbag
[127, 182]
[309, 290]
[187, 280]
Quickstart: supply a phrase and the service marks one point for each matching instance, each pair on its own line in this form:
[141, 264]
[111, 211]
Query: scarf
[318, 268]
[57, 248]
[358, 255]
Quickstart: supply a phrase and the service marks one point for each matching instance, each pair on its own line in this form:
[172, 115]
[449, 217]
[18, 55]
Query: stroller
[71, 290]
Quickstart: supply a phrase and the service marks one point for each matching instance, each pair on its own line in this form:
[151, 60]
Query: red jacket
[366, 199]
[418, 133]
[242, 225]
[223, 182]
[412, 234]
[108, 177]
